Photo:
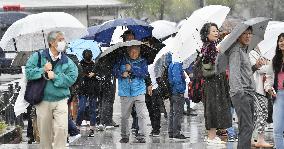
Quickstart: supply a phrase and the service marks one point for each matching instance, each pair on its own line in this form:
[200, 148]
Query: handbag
[207, 70]
[35, 88]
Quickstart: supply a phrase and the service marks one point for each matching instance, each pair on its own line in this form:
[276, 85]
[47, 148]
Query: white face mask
[61, 46]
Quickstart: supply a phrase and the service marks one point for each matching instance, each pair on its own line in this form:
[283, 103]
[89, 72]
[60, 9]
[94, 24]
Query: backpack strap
[39, 59]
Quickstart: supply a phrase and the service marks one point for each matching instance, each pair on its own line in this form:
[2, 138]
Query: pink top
[280, 80]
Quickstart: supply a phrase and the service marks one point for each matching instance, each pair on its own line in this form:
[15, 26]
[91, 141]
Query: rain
[140, 74]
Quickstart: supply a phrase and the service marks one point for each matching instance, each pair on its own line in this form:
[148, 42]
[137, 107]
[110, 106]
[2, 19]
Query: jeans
[278, 120]
[82, 106]
[176, 114]
[231, 130]
[72, 129]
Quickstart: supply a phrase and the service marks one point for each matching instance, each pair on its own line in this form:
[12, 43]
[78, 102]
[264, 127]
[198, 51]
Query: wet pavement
[192, 126]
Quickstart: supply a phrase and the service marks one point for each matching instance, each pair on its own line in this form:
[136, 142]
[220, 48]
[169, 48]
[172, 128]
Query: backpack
[164, 87]
[195, 89]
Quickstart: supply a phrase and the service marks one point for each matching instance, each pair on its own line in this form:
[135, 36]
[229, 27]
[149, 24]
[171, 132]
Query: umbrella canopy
[187, 40]
[258, 28]
[30, 33]
[77, 47]
[103, 33]
[118, 50]
[186, 63]
[163, 28]
[268, 45]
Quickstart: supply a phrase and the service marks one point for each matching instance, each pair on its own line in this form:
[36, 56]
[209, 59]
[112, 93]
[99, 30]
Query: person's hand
[91, 74]
[260, 62]
[149, 89]
[47, 67]
[128, 67]
[218, 48]
[125, 74]
[272, 92]
[50, 75]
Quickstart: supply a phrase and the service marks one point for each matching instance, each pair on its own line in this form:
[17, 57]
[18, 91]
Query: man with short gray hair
[60, 72]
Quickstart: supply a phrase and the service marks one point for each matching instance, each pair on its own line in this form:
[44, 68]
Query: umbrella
[258, 26]
[268, 45]
[30, 33]
[187, 40]
[103, 33]
[118, 50]
[186, 63]
[163, 28]
[79, 45]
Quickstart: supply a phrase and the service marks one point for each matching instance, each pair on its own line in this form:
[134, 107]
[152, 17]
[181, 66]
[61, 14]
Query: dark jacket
[88, 86]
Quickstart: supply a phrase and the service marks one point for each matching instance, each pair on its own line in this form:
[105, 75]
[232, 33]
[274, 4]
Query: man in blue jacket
[131, 72]
[178, 85]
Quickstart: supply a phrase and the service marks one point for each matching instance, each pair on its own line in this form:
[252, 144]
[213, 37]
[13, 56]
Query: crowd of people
[247, 87]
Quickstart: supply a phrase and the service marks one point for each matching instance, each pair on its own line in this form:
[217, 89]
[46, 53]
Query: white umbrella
[187, 40]
[268, 45]
[30, 33]
[163, 28]
[156, 69]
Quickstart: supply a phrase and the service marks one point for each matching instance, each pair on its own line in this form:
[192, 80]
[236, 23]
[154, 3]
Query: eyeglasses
[247, 34]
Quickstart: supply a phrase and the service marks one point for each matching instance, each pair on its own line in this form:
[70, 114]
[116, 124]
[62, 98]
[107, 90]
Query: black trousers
[107, 96]
[153, 106]
[30, 133]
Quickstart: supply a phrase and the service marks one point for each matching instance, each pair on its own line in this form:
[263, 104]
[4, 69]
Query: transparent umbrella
[268, 45]
[29, 33]
[187, 40]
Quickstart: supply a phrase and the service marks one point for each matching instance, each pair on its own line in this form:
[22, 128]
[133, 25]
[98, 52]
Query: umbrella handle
[43, 38]
[15, 44]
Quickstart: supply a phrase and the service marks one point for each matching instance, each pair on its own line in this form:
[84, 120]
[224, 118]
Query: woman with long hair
[278, 85]
[216, 89]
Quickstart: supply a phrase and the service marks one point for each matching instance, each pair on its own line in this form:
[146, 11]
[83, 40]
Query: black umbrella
[148, 51]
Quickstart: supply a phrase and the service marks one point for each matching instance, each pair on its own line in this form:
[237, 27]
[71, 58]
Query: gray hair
[51, 36]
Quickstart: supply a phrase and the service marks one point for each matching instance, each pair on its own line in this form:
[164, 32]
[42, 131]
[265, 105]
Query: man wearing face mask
[60, 72]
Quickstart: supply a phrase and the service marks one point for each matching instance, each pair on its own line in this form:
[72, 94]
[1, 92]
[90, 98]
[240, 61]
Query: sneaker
[215, 141]
[91, 133]
[171, 136]
[124, 140]
[269, 127]
[134, 131]
[74, 138]
[155, 134]
[109, 127]
[31, 140]
[141, 140]
[114, 124]
[179, 137]
[101, 127]
[84, 123]
[231, 139]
